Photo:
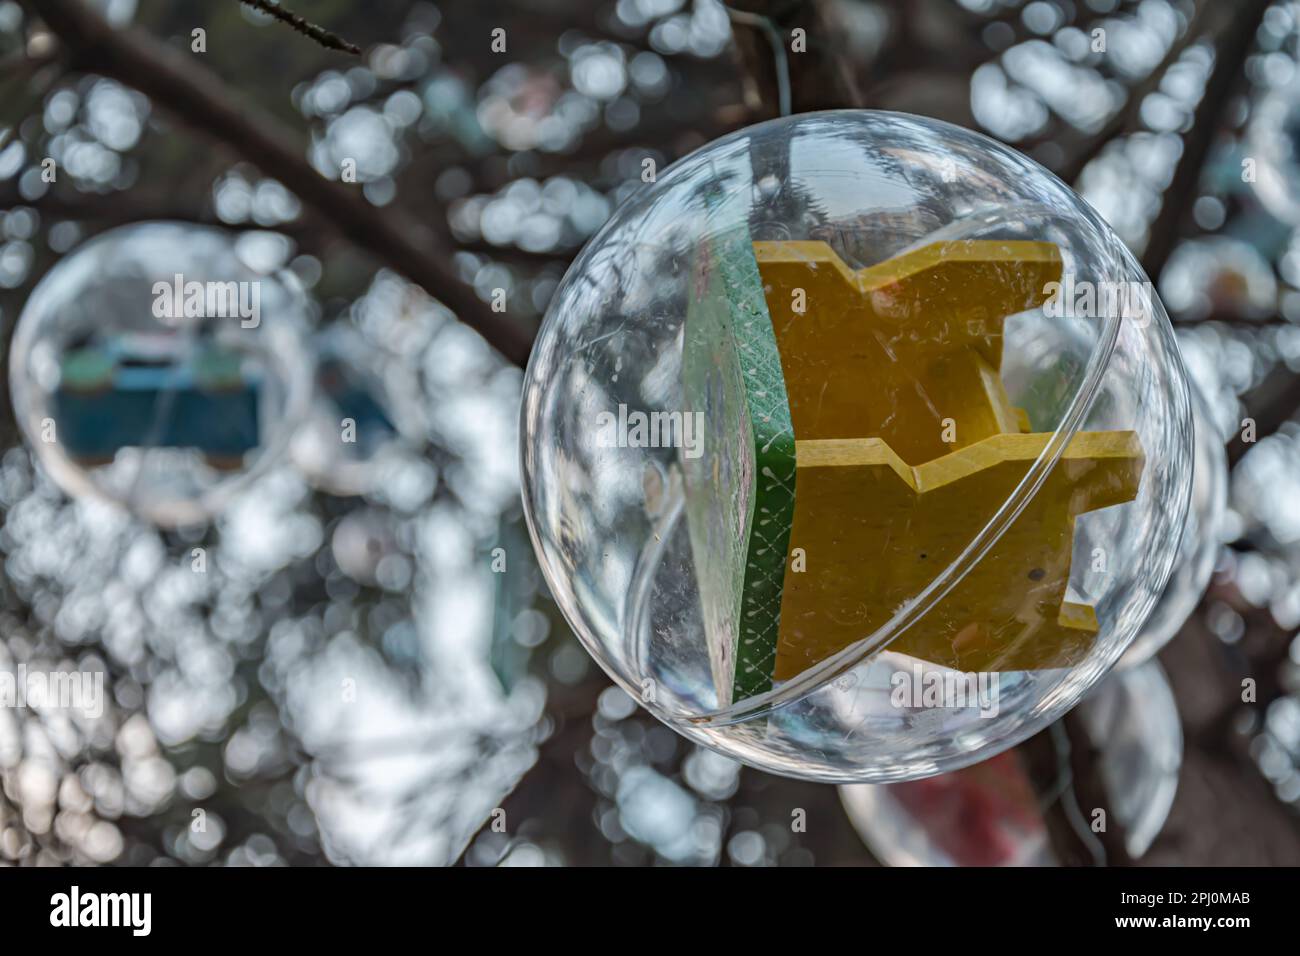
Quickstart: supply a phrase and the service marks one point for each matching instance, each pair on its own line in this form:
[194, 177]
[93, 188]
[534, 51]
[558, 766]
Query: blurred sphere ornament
[1273, 150]
[366, 548]
[989, 814]
[983, 815]
[160, 366]
[1218, 277]
[829, 438]
[366, 414]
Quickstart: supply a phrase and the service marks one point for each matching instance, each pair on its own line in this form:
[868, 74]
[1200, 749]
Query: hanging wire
[769, 29]
[1069, 797]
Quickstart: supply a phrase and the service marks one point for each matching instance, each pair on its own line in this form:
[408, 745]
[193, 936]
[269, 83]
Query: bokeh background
[473, 728]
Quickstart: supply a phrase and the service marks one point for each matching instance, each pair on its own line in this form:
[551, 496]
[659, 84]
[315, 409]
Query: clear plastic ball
[363, 541]
[1273, 151]
[856, 447]
[983, 815]
[366, 415]
[1216, 276]
[989, 814]
[161, 366]
[1202, 539]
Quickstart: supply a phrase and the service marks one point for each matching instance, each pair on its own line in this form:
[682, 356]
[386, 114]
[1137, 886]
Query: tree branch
[1126, 118]
[1230, 53]
[22, 63]
[199, 98]
[1271, 404]
[331, 41]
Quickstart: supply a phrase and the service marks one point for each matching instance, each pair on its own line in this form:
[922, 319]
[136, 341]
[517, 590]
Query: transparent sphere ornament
[161, 366]
[366, 547]
[992, 813]
[1218, 276]
[983, 815]
[1273, 152]
[366, 415]
[856, 446]
[1201, 541]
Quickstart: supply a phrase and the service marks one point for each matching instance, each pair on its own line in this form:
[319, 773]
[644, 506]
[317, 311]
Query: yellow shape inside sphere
[907, 443]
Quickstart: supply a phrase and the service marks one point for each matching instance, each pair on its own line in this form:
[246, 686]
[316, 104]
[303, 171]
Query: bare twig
[1230, 52]
[1126, 118]
[22, 64]
[107, 210]
[1270, 404]
[198, 97]
[331, 41]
